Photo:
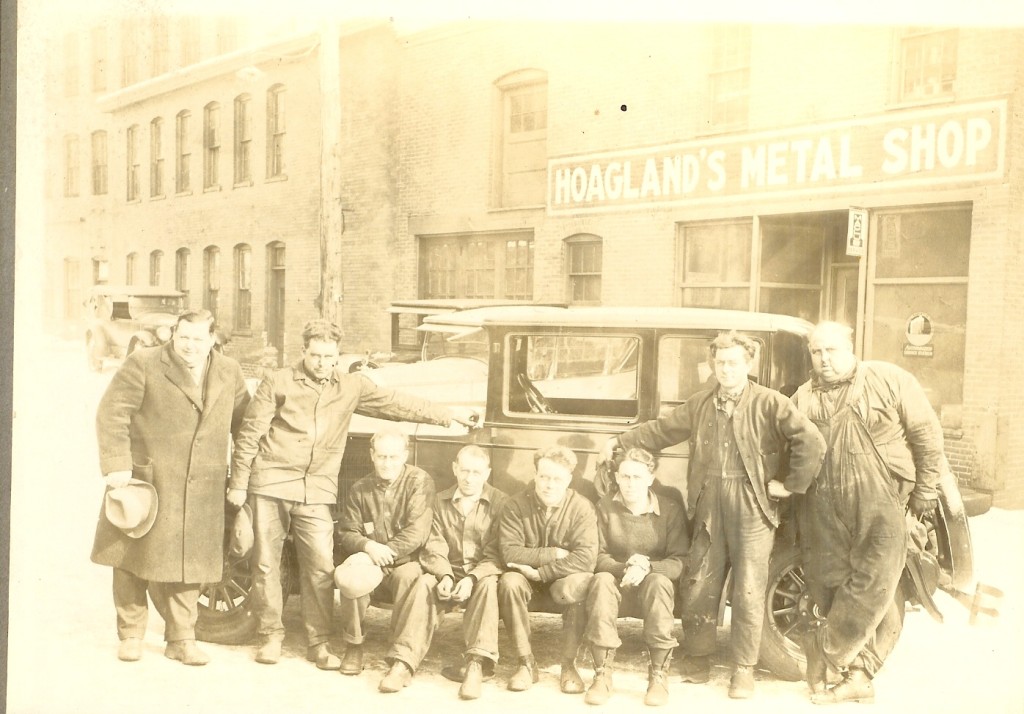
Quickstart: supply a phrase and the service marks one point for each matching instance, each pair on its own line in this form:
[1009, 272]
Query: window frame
[183, 153]
[243, 140]
[576, 243]
[182, 259]
[211, 279]
[156, 258]
[72, 165]
[133, 186]
[242, 317]
[100, 51]
[156, 158]
[915, 35]
[276, 132]
[211, 147]
[130, 261]
[99, 162]
[457, 276]
[723, 64]
[521, 83]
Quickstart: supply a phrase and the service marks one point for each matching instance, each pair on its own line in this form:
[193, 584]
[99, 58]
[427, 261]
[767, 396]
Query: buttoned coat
[153, 412]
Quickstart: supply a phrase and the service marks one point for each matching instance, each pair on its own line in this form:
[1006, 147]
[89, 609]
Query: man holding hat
[164, 426]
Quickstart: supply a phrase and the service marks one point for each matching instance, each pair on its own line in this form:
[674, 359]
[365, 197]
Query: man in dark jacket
[167, 417]
[884, 450]
[741, 435]
[287, 458]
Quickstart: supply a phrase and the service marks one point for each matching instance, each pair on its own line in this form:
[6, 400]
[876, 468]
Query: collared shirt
[727, 401]
[457, 541]
[652, 503]
[660, 533]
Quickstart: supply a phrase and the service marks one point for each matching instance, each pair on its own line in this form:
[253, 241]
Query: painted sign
[856, 232]
[923, 147]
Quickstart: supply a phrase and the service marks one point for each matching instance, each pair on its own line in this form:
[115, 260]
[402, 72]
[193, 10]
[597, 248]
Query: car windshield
[440, 343]
[148, 304]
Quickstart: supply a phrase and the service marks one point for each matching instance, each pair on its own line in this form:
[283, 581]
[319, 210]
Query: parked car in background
[122, 318]
[544, 375]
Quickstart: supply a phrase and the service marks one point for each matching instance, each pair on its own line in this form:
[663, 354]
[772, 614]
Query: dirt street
[62, 655]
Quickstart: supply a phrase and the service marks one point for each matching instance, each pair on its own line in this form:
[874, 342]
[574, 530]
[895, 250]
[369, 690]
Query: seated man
[547, 537]
[384, 523]
[456, 570]
[643, 540]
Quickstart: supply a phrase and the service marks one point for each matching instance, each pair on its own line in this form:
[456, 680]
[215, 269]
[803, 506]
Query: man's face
[389, 456]
[831, 356]
[471, 473]
[552, 482]
[634, 479]
[320, 357]
[731, 365]
[192, 342]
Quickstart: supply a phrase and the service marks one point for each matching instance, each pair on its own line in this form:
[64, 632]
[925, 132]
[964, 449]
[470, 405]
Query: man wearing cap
[457, 573]
[548, 541]
[286, 461]
[383, 525]
[167, 418]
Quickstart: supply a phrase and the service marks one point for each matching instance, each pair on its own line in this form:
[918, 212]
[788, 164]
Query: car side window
[683, 369]
[582, 375]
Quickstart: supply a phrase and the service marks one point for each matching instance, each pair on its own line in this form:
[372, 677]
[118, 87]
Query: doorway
[275, 299]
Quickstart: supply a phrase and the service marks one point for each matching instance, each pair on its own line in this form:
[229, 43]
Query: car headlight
[163, 333]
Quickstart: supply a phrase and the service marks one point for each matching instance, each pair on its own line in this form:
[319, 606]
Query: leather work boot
[352, 662]
[130, 649]
[526, 676]
[657, 678]
[601, 688]
[324, 658]
[269, 652]
[570, 681]
[855, 687]
[397, 678]
[458, 674]
[473, 679]
[817, 667]
[695, 668]
[186, 652]
[741, 686]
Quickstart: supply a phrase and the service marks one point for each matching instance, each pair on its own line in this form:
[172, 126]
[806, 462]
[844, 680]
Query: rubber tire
[781, 655]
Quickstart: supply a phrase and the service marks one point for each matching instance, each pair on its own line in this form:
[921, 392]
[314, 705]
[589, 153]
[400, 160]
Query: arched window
[243, 287]
[156, 157]
[129, 269]
[243, 140]
[71, 165]
[211, 278]
[583, 269]
[155, 258]
[275, 131]
[181, 265]
[99, 163]
[132, 139]
[183, 153]
[211, 145]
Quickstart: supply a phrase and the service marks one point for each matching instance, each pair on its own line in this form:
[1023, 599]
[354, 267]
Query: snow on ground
[62, 642]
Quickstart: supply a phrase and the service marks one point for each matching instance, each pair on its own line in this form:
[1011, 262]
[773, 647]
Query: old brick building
[629, 164]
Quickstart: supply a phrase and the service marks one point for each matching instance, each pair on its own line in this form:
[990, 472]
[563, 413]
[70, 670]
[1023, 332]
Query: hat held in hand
[131, 507]
[357, 576]
[242, 537]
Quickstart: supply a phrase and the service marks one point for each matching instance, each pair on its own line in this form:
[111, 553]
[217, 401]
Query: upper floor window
[160, 51]
[183, 153]
[715, 265]
[129, 52]
[99, 59]
[477, 266]
[155, 259]
[275, 131]
[181, 265]
[156, 157]
[188, 36]
[133, 162]
[99, 163]
[71, 165]
[730, 76]
[927, 63]
[523, 142]
[71, 65]
[227, 35]
[583, 265]
[211, 145]
[129, 269]
[243, 140]
[243, 287]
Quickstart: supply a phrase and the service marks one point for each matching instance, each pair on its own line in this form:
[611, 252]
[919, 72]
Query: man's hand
[444, 587]
[380, 554]
[469, 418]
[117, 479]
[634, 575]
[463, 589]
[236, 497]
[777, 491]
[922, 507]
[528, 571]
[608, 450]
[561, 553]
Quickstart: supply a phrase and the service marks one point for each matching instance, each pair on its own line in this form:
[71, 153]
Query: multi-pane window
[71, 165]
[155, 259]
[791, 268]
[243, 287]
[181, 261]
[183, 153]
[129, 269]
[243, 140]
[99, 163]
[715, 263]
[730, 76]
[156, 157]
[928, 61]
[99, 59]
[160, 51]
[188, 34]
[129, 52]
[227, 35]
[524, 108]
[132, 155]
[477, 266]
[71, 65]
[211, 278]
[583, 264]
[211, 145]
[275, 131]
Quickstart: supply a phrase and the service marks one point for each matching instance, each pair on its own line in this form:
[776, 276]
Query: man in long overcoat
[167, 417]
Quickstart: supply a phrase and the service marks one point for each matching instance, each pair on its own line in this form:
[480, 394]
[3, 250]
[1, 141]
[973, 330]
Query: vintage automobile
[577, 376]
[122, 318]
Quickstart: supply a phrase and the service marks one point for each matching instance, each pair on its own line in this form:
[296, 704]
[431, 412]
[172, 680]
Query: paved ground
[62, 640]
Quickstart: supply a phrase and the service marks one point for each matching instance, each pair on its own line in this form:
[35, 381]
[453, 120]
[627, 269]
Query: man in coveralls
[741, 435]
[884, 448]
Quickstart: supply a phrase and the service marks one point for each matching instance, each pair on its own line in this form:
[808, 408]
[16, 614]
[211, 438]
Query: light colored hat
[242, 537]
[357, 576]
[131, 507]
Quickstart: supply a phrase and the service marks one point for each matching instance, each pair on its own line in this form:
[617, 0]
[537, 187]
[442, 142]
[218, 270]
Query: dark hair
[725, 340]
[321, 331]
[561, 455]
[641, 456]
[196, 316]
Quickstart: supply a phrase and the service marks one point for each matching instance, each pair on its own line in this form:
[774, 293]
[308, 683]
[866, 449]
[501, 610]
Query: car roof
[433, 306]
[134, 291]
[624, 317]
